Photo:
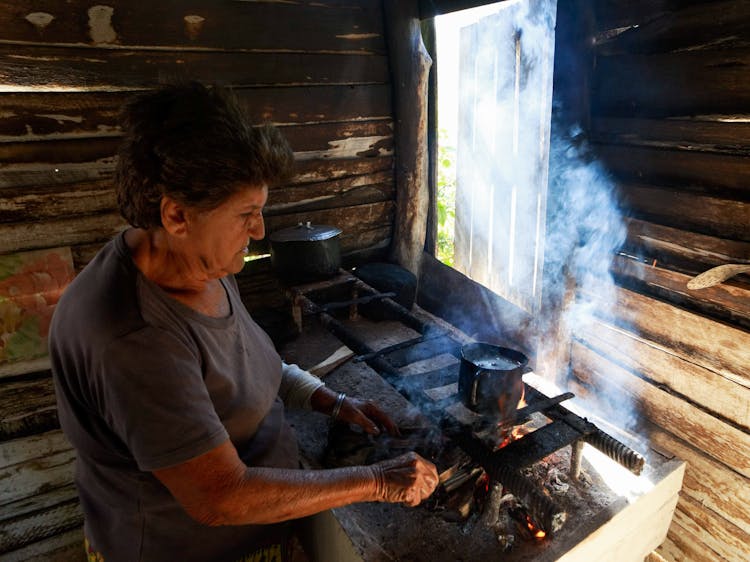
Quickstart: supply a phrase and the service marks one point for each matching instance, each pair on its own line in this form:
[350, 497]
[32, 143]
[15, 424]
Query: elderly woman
[171, 394]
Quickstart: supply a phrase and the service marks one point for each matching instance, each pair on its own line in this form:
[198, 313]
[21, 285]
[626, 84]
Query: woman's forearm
[270, 495]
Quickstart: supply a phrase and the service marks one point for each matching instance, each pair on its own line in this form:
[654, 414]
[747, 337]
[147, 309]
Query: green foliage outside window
[446, 198]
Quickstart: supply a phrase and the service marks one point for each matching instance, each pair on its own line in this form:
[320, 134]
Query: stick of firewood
[460, 478]
[336, 359]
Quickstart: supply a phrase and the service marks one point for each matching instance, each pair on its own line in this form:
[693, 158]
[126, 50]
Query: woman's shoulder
[102, 298]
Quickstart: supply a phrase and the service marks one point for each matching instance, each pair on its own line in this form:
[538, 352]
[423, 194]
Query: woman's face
[218, 239]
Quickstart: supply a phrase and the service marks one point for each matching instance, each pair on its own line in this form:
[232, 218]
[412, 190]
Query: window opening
[494, 69]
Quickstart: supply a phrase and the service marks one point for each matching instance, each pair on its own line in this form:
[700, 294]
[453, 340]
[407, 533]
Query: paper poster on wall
[30, 286]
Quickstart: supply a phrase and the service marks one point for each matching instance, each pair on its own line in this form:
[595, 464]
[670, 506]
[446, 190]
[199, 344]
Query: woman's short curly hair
[194, 144]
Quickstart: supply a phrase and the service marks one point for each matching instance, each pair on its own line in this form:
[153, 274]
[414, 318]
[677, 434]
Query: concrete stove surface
[612, 514]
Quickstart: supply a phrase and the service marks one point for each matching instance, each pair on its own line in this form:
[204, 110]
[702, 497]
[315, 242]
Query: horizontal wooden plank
[349, 219]
[16, 176]
[695, 212]
[722, 133]
[50, 202]
[24, 481]
[60, 232]
[309, 142]
[27, 407]
[24, 449]
[708, 482]
[63, 547]
[335, 193]
[713, 345]
[713, 173]
[24, 366]
[356, 25]
[618, 13]
[309, 171]
[26, 529]
[40, 115]
[719, 539]
[680, 546]
[724, 398]
[359, 139]
[44, 153]
[51, 489]
[353, 221]
[354, 196]
[704, 24]
[684, 83]
[34, 175]
[718, 439]
[58, 68]
[729, 302]
[351, 182]
[691, 251]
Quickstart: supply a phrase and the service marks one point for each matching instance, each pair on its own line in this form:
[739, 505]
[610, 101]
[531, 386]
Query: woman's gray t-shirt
[144, 382]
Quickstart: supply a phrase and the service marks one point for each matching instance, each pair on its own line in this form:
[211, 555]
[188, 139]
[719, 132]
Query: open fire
[511, 484]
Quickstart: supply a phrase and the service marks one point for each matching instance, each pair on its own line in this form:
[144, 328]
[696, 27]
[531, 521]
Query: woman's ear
[173, 216]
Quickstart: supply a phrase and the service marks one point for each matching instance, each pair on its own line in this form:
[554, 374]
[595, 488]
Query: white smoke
[585, 231]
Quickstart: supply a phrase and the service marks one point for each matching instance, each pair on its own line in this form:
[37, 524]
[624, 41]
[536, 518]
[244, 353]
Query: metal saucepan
[489, 380]
[306, 252]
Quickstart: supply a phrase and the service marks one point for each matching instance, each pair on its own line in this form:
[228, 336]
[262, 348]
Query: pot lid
[305, 233]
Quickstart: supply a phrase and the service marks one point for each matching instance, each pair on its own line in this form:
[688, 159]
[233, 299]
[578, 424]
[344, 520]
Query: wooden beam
[684, 27]
[330, 193]
[712, 535]
[27, 529]
[717, 134]
[64, 546]
[315, 141]
[410, 67]
[18, 237]
[702, 387]
[674, 84]
[27, 115]
[729, 302]
[27, 407]
[695, 212]
[355, 25]
[722, 441]
[60, 68]
[691, 251]
[617, 13]
[714, 174]
[708, 482]
[712, 345]
[35, 204]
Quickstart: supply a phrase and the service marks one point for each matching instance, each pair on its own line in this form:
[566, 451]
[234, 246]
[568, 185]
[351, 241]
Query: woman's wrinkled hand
[407, 479]
[367, 415]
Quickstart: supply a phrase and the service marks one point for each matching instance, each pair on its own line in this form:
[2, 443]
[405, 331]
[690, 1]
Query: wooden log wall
[670, 119]
[317, 69]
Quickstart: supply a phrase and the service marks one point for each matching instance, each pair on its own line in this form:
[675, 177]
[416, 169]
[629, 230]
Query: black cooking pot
[306, 252]
[489, 380]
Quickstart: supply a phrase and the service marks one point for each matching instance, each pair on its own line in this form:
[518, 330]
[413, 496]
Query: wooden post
[410, 68]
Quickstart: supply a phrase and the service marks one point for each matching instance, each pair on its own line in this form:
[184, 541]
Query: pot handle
[474, 384]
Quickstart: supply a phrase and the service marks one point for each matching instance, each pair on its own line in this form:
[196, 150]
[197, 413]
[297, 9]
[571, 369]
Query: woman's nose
[257, 230]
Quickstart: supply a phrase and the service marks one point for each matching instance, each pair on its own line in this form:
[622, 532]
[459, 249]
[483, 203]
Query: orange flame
[535, 531]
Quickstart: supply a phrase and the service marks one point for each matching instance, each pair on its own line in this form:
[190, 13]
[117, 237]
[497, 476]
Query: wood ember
[491, 508]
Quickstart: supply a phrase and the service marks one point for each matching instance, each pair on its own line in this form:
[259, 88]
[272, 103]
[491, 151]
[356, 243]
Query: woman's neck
[160, 260]
[173, 272]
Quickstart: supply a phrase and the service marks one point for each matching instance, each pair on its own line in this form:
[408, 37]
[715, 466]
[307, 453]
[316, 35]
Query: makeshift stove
[544, 484]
